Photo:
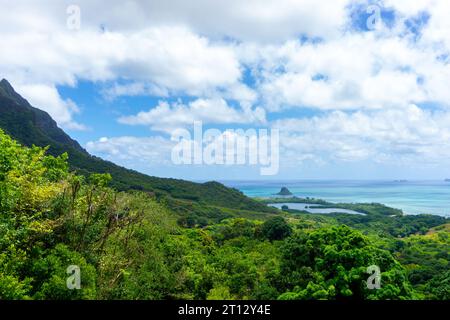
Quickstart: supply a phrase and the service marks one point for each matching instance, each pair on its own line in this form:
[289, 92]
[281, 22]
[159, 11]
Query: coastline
[412, 197]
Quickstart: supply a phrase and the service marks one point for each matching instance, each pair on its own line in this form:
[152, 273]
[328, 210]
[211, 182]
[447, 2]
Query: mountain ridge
[32, 126]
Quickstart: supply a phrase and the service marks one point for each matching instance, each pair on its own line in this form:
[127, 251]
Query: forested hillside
[128, 245]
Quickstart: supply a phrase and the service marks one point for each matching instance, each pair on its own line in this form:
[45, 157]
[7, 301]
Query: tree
[439, 287]
[29, 183]
[276, 228]
[331, 263]
[50, 275]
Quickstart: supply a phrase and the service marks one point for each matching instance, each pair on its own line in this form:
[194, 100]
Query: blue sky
[355, 88]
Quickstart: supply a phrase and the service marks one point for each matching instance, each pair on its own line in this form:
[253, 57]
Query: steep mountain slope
[29, 126]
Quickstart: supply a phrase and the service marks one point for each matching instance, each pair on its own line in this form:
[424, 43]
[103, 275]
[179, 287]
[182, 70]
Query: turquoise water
[316, 209]
[413, 197]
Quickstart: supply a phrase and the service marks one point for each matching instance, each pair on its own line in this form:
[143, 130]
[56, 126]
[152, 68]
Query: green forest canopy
[133, 245]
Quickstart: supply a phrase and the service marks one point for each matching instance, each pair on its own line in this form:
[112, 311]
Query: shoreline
[324, 204]
[413, 197]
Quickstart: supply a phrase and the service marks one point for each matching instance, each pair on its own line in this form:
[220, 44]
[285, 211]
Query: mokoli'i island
[284, 192]
[151, 153]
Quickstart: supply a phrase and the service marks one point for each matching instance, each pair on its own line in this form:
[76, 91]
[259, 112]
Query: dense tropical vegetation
[136, 244]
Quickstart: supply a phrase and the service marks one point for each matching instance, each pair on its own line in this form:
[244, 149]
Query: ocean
[413, 197]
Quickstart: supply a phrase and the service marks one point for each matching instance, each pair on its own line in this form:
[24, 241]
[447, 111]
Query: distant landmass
[284, 192]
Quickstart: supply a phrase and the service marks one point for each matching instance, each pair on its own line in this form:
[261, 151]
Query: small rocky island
[284, 192]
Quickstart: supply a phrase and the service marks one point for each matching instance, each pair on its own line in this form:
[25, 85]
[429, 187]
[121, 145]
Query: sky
[356, 89]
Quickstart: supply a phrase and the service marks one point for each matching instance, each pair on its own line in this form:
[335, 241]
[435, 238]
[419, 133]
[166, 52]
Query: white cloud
[251, 20]
[39, 51]
[175, 48]
[126, 150]
[357, 71]
[393, 136]
[168, 57]
[167, 117]
[133, 89]
[229, 147]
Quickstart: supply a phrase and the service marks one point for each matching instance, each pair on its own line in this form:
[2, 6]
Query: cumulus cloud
[128, 150]
[245, 62]
[360, 70]
[39, 51]
[167, 57]
[251, 20]
[168, 117]
[407, 135]
[238, 147]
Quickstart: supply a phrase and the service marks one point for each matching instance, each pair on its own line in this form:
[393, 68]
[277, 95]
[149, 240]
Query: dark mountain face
[29, 125]
[7, 91]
